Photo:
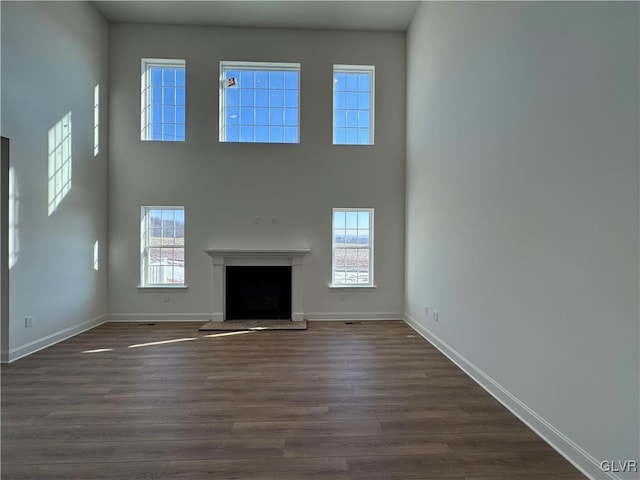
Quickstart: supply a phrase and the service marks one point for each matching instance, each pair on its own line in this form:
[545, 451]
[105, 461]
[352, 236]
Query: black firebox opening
[260, 293]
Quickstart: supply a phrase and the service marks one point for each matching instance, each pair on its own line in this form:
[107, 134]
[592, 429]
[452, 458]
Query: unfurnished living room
[337, 240]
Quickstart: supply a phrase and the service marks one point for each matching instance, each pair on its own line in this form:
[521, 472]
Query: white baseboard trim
[159, 317]
[337, 316]
[32, 347]
[205, 317]
[571, 451]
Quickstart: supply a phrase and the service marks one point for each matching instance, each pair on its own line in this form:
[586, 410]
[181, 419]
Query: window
[352, 247]
[259, 102]
[163, 100]
[353, 104]
[162, 246]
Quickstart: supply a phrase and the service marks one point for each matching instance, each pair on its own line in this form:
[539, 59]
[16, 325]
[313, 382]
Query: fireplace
[261, 293]
[225, 260]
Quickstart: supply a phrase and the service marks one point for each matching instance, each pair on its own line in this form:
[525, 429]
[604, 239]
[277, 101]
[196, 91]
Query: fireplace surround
[221, 258]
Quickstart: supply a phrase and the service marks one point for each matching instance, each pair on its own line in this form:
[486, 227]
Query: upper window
[353, 104]
[163, 100]
[259, 102]
[352, 241]
[162, 246]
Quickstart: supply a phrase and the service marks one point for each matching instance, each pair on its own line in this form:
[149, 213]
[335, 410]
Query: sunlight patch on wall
[14, 208]
[59, 162]
[96, 258]
[96, 120]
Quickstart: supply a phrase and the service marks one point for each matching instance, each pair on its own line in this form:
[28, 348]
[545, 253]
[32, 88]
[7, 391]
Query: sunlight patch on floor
[162, 342]
[228, 333]
[99, 350]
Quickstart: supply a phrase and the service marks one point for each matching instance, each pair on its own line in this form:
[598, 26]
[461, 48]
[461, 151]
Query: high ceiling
[340, 15]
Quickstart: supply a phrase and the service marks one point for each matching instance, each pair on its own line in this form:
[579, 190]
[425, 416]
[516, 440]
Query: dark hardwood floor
[341, 402]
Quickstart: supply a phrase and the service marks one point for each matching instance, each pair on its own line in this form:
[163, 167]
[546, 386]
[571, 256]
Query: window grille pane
[276, 134]
[180, 77]
[291, 80]
[262, 134]
[290, 135]
[262, 116]
[246, 79]
[363, 136]
[247, 98]
[246, 134]
[291, 98]
[352, 118]
[363, 220]
[276, 116]
[233, 134]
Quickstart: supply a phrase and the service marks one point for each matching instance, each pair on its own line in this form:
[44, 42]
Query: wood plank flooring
[335, 402]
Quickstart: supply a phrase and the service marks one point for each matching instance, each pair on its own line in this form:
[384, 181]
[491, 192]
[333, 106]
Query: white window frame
[372, 102]
[146, 97]
[272, 66]
[145, 247]
[370, 247]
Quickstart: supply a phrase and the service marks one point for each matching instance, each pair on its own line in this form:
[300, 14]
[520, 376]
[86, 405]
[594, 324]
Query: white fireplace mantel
[223, 257]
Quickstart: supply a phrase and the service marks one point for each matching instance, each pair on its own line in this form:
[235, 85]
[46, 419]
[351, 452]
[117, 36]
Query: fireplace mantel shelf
[255, 252]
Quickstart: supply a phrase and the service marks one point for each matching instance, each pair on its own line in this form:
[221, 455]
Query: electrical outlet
[426, 310]
[342, 297]
[28, 321]
[436, 316]
[167, 297]
[256, 220]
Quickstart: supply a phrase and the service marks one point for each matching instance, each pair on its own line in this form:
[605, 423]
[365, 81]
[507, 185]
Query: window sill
[351, 287]
[162, 287]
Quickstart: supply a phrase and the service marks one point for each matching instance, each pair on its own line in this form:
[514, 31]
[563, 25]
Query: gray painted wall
[4, 247]
[523, 209]
[224, 186]
[53, 54]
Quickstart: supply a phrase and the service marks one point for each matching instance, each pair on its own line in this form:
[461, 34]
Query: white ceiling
[340, 15]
